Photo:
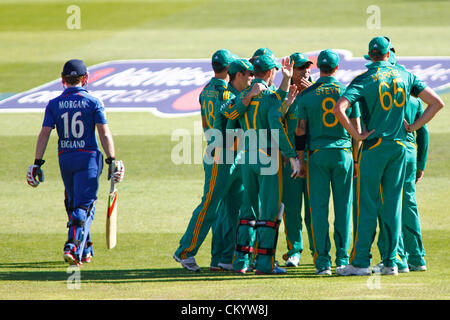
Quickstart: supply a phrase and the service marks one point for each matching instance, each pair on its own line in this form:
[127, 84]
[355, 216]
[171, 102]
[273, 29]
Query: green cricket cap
[223, 57]
[240, 65]
[265, 63]
[382, 44]
[299, 59]
[392, 57]
[261, 52]
[328, 58]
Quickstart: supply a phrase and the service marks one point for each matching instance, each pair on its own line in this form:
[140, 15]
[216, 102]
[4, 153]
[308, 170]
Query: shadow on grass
[133, 275]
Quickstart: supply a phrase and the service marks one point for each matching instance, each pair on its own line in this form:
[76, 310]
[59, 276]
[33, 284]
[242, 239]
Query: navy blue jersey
[75, 113]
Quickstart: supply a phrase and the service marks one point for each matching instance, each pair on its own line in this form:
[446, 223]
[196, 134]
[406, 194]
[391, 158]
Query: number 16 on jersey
[111, 215]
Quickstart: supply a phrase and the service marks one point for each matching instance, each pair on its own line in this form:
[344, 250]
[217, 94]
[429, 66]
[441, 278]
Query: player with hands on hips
[76, 114]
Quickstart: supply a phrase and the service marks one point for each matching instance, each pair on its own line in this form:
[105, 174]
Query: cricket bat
[111, 217]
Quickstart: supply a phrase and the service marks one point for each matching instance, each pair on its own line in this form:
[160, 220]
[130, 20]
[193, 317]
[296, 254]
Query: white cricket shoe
[293, 261]
[350, 270]
[403, 270]
[87, 258]
[417, 268]
[70, 258]
[390, 271]
[226, 266]
[188, 263]
[338, 269]
[323, 272]
[378, 268]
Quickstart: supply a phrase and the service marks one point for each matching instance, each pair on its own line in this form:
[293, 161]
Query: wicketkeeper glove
[35, 171]
[116, 169]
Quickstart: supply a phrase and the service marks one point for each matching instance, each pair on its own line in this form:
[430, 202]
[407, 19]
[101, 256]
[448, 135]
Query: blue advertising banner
[171, 88]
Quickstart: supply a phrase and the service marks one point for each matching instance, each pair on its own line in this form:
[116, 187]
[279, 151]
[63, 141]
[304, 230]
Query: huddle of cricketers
[366, 143]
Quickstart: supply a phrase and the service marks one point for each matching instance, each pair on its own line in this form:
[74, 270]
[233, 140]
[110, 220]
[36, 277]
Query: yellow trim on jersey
[381, 194]
[310, 209]
[358, 195]
[246, 120]
[276, 93]
[263, 152]
[376, 144]
[256, 104]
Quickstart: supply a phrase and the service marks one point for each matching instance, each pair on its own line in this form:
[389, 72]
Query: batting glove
[35, 174]
[116, 169]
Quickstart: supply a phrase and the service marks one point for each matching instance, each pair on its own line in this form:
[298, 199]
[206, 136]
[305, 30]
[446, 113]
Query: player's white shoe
[188, 263]
[86, 258]
[226, 266]
[350, 270]
[323, 272]
[293, 261]
[390, 271]
[338, 269]
[403, 270]
[71, 259]
[242, 271]
[378, 267]
[417, 268]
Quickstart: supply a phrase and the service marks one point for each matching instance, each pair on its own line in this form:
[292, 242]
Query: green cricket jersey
[290, 122]
[222, 121]
[413, 111]
[264, 112]
[315, 105]
[234, 109]
[383, 92]
[211, 99]
[221, 116]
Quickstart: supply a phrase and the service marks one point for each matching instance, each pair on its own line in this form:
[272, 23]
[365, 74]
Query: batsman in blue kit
[76, 114]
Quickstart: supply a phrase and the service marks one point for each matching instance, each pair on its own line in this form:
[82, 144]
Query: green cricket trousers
[380, 179]
[258, 219]
[330, 167]
[410, 248]
[203, 217]
[225, 227]
[294, 195]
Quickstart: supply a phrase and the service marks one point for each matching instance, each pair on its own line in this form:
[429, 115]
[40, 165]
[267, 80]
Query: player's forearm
[356, 144]
[106, 140]
[108, 146]
[422, 147]
[435, 104]
[245, 101]
[285, 83]
[42, 142]
[301, 127]
[339, 112]
[427, 115]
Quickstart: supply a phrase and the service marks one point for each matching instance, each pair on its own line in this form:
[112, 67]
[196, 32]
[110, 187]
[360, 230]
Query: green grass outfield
[156, 198]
